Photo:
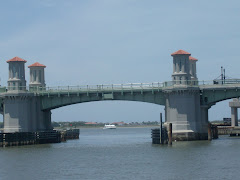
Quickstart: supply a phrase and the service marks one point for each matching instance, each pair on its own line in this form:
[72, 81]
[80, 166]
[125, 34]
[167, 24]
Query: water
[124, 153]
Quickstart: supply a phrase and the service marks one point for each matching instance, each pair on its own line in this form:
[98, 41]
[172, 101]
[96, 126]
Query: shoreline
[101, 127]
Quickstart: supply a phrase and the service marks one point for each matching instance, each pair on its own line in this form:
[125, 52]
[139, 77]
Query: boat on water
[109, 126]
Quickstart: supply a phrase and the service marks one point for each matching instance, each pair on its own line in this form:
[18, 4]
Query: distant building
[90, 123]
[119, 123]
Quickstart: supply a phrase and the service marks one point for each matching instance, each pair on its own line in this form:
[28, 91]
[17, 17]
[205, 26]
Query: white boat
[109, 126]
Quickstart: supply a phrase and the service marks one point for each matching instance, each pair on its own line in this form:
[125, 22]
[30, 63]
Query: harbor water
[120, 154]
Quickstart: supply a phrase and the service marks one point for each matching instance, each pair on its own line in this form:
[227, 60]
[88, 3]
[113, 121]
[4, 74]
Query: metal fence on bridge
[119, 87]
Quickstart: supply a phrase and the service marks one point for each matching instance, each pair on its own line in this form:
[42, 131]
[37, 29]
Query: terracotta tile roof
[90, 123]
[192, 58]
[180, 52]
[16, 59]
[118, 122]
[37, 64]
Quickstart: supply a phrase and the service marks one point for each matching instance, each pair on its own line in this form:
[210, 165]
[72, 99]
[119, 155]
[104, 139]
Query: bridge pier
[204, 119]
[234, 116]
[235, 104]
[16, 112]
[188, 118]
[22, 113]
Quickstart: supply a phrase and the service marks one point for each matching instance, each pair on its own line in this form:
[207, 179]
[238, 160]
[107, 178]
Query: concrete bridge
[156, 93]
[186, 99]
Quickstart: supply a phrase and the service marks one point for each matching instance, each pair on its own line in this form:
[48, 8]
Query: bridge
[210, 93]
[186, 99]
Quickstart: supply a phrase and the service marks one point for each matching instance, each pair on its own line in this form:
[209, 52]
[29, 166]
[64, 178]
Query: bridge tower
[37, 77]
[182, 107]
[193, 68]
[21, 109]
[16, 79]
[181, 67]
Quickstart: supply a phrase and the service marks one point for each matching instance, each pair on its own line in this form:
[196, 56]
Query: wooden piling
[170, 134]
[161, 133]
[209, 132]
[214, 131]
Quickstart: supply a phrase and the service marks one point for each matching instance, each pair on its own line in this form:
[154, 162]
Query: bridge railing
[99, 88]
[121, 87]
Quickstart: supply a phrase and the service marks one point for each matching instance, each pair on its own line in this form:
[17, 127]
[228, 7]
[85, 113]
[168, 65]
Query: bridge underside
[56, 100]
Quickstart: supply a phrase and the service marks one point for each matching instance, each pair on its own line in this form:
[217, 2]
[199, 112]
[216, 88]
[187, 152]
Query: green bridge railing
[121, 87]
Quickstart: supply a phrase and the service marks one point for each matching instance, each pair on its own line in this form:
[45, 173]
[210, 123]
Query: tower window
[180, 65]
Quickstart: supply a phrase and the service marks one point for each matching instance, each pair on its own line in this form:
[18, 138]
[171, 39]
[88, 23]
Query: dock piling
[160, 133]
[170, 134]
[209, 132]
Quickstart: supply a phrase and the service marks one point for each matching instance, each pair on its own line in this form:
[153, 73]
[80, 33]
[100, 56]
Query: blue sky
[119, 41]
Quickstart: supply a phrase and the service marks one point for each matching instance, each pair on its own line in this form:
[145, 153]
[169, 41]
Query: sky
[90, 42]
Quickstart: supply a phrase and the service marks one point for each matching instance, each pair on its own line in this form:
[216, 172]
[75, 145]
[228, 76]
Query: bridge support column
[183, 110]
[234, 111]
[234, 116]
[22, 113]
[45, 120]
[204, 119]
[17, 112]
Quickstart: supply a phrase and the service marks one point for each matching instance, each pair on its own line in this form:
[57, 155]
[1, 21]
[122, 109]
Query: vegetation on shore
[83, 124]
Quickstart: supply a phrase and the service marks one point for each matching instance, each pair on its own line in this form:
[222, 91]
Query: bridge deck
[210, 91]
[203, 85]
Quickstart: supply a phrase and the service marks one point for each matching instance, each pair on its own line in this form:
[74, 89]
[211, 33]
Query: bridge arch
[211, 96]
[108, 111]
[50, 102]
[220, 110]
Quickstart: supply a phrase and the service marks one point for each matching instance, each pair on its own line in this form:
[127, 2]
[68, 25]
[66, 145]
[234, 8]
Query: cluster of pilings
[159, 139]
[69, 134]
[40, 137]
[212, 132]
[162, 135]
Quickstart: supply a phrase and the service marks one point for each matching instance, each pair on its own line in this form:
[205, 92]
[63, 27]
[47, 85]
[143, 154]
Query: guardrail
[121, 87]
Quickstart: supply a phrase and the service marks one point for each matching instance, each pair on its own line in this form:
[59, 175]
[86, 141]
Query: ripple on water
[124, 153]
